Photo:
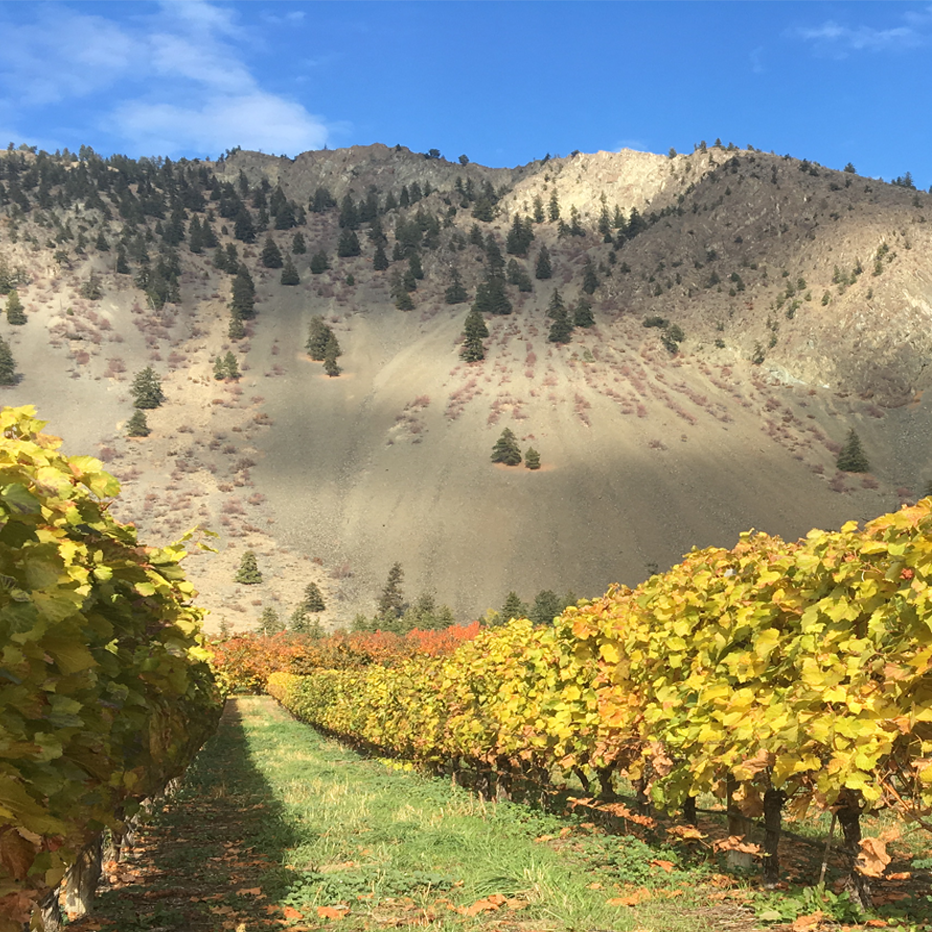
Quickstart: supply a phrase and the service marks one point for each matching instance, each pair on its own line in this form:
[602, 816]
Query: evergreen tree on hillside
[513, 608]
[243, 299]
[14, 309]
[582, 314]
[318, 336]
[147, 389]
[269, 622]
[122, 266]
[244, 229]
[313, 599]
[8, 374]
[379, 260]
[554, 209]
[532, 458]
[298, 244]
[331, 368]
[520, 236]
[590, 279]
[348, 245]
[543, 269]
[506, 449]
[561, 330]
[289, 274]
[319, 263]
[391, 601]
[517, 275]
[474, 332]
[852, 457]
[455, 293]
[271, 254]
[547, 605]
[248, 573]
[138, 425]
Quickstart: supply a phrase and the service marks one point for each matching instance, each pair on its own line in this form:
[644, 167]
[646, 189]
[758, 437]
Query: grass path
[277, 827]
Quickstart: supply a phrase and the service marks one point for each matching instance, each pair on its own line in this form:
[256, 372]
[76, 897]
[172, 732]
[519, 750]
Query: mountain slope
[645, 452]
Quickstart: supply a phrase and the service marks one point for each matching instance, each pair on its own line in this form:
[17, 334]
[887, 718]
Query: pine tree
[547, 606]
[556, 307]
[561, 330]
[348, 245]
[248, 573]
[518, 276]
[271, 254]
[299, 622]
[590, 279]
[269, 622]
[236, 330]
[513, 608]
[532, 458]
[8, 374]
[456, 293]
[14, 309]
[554, 211]
[147, 389]
[230, 366]
[320, 338]
[319, 263]
[138, 425]
[298, 244]
[244, 229]
[543, 269]
[122, 266]
[582, 314]
[391, 601]
[506, 449]
[474, 331]
[330, 364]
[101, 245]
[195, 236]
[243, 300]
[313, 599]
[415, 267]
[290, 273]
[379, 260]
[538, 209]
[852, 457]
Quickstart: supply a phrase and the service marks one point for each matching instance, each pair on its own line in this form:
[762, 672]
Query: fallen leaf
[686, 832]
[251, 891]
[332, 912]
[290, 912]
[735, 843]
[902, 875]
[802, 923]
[639, 896]
[663, 865]
[873, 858]
[595, 885]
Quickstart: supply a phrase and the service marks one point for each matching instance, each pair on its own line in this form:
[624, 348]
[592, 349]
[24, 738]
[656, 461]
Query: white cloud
[177, 81]
[253, 121]
[840, 40]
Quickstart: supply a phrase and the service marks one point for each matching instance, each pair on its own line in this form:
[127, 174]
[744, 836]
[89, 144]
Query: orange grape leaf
[802, 923]
[902, 875]
[663, 865]
[686, 832]
[736, 843]
[332, 912]
[488, 905]
[291, 913]
[639, 896]
[873, 858]
[876, 923]
[595, 885]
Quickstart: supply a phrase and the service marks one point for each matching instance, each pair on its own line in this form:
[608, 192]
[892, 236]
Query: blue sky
[503, 83]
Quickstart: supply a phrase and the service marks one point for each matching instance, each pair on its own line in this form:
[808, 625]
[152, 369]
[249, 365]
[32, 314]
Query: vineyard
[779, 677]
[105, 687]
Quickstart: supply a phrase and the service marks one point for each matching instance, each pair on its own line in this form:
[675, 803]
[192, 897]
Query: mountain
[749, 310]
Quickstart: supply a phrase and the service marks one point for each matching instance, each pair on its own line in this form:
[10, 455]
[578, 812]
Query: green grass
[279, 827]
